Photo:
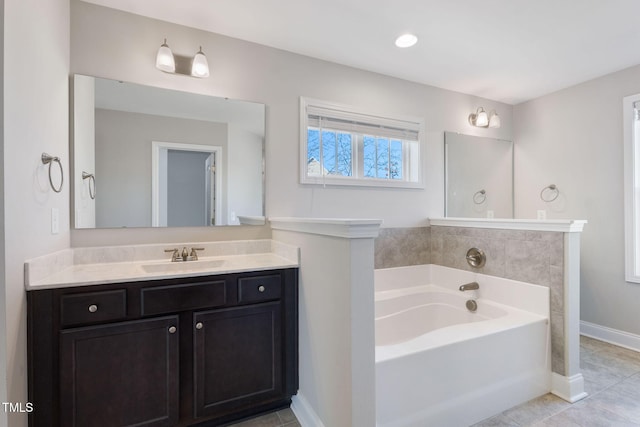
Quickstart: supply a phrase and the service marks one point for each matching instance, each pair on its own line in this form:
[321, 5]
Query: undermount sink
[181, 266]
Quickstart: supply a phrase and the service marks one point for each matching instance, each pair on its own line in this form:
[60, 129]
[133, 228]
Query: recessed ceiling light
[406, 40]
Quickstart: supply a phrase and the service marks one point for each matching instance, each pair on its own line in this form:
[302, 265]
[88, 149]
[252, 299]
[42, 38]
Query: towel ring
[479, 197]
[92, 179]
[49, 159]
[554, 193]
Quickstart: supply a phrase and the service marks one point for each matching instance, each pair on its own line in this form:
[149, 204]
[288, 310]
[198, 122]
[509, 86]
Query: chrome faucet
[194, 254]
[175, 256]
[469, 286]
[178, 256]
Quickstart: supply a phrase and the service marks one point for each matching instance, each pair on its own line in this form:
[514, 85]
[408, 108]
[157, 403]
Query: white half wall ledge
[558, 225]
[336, 227]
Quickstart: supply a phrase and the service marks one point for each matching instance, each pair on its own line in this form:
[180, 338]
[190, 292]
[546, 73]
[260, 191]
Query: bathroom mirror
[151, 157]
[478, 176]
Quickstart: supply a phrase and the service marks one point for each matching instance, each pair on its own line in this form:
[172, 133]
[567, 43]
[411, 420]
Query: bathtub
[438, 364]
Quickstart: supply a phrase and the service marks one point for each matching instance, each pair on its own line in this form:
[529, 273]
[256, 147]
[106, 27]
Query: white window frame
[631, 190]
[417, 159]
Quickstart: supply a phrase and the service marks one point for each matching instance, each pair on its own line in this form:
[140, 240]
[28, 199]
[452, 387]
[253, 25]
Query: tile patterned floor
[282, 418]
[612, 379]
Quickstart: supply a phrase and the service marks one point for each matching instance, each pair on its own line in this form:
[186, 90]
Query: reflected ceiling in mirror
[478, 176]
[151, 157]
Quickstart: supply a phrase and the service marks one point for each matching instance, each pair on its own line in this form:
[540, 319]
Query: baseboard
[570, 389]
[304, 412]
[612, 336]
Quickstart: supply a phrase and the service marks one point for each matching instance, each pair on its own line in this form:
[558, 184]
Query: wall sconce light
[200, 66]
[176, 64]
[164, 59]
[483, 120]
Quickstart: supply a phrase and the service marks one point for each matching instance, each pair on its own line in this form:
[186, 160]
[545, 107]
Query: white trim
[559, 225]
[631, 217]
[570, 389]
[571, 304]
[610, 335]
[156, 147]
[346, 228]
[304, 412]
[329, 180]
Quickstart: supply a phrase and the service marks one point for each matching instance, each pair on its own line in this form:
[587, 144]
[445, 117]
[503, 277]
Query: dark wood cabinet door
[237, 358]
[123, 374]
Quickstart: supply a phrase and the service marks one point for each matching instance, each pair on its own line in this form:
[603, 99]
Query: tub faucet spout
[469, 286]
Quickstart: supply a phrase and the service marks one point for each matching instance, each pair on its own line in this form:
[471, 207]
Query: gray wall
[186, 200]
[123, 160]
[573, 138]
[122, 46]
[36, 120]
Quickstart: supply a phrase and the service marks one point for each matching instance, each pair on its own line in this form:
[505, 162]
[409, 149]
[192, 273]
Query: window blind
[326, 118]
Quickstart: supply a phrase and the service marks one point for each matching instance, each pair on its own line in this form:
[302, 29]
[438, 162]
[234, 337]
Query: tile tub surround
[82, 266]
[535, 255]
[400, 247]
[528, 256]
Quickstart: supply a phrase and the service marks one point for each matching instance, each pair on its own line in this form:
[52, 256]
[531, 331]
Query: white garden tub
[438, 364]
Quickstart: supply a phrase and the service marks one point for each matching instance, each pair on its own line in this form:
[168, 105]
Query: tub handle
[476, 258]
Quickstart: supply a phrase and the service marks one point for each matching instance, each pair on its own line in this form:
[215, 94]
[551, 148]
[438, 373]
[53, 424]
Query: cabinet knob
[93, 308]
[199, 325]
[261, 288]
[172, 329]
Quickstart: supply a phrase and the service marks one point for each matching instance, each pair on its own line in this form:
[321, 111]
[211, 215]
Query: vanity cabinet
[236, 357]
[126, 373]
[177, 352]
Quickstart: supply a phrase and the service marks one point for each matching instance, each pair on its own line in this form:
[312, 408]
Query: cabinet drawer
[93, 307]
[175, 298]
[261, 288]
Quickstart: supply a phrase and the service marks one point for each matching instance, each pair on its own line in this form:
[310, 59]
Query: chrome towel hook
[549, 193]
[479, 197]
[92, 179]
[49, 159]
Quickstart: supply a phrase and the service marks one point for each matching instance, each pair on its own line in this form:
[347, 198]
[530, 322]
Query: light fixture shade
[200, 66]
[482, 120]
[494, 120]
[164, 59]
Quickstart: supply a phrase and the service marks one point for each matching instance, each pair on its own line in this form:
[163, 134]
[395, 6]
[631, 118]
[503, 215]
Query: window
[631, 111]
[342, 146]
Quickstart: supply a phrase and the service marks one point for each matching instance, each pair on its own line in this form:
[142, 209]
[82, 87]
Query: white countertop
[68, 269]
